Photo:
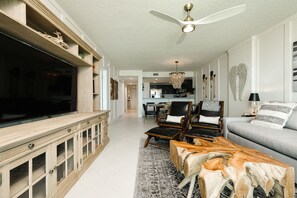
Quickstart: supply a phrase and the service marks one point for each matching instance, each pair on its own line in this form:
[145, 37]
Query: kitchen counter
[157, 100]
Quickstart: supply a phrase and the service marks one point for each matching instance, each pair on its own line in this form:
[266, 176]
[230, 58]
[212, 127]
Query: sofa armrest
[227, 120]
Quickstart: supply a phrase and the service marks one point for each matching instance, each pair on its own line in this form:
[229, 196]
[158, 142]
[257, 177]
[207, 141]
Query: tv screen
[33, 84]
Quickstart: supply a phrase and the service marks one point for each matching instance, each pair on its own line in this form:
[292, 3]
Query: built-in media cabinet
[28, 20]
[45, 158]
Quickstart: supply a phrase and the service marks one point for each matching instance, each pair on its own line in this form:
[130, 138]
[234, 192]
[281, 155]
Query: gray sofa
[280, 144]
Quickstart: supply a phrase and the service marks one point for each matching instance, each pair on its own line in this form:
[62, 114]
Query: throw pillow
[274, 114]
[174, 118]
[210, 120]
[292, 121]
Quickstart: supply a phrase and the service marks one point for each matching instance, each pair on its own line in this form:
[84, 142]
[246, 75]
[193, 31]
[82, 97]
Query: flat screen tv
[33, 84]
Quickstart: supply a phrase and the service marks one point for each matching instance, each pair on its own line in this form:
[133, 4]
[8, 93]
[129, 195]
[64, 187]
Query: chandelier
[177, 78]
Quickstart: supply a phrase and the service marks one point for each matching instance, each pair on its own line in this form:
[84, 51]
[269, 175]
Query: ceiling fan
[189, 25]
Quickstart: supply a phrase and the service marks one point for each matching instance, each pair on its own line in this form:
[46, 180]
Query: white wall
[223, 85]
[271, 65]
[205, 86]
[146, 90]
[138, 74]
[120, 101]
[293, 26]
[237, 55]
[275, 81]
[198, 82]
[213, 92]
[220, 68]
[268, 56]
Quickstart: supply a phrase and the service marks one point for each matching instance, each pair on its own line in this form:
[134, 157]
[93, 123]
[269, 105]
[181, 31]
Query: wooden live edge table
[220, 161]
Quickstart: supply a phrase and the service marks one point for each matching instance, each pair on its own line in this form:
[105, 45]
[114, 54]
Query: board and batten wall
[219, 67]
[268, 57]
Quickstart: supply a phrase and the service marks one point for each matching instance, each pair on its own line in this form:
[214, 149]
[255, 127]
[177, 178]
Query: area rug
[157, 177]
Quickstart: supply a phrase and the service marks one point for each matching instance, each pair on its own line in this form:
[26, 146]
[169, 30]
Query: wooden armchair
[172, 125]
[179, 111]
[209, 121]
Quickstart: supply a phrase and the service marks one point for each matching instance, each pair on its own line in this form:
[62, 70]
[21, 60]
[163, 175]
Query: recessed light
[131, 78]
[156, 79]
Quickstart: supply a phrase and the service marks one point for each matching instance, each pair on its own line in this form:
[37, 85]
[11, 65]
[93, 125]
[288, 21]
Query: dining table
[158, 108]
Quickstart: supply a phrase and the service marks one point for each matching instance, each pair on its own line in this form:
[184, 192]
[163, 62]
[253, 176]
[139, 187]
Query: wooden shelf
[32, 37]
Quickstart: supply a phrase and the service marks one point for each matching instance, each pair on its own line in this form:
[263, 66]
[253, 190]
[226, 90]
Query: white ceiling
[134, 39]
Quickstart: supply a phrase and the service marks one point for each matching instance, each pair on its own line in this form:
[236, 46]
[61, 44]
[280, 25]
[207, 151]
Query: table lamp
[254, 98]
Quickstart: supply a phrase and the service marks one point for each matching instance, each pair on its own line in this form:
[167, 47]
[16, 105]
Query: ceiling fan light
[188, 28]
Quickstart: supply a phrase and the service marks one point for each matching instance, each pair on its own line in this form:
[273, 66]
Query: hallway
[112, 175]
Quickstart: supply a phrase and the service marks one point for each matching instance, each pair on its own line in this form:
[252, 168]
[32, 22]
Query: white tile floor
[113, 173]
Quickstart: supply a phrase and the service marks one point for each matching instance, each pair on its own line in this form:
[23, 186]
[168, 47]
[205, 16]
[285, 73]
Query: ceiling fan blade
[165, 17]
[181, 38]
[220, 15]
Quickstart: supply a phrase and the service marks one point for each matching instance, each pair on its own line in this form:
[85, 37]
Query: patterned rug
[157, 177]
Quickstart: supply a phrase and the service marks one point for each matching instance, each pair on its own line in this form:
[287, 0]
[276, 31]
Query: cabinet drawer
[89, 122]
[35, 144]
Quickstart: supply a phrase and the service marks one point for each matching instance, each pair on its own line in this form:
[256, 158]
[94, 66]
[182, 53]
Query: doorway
[130, 94]
[132, 97]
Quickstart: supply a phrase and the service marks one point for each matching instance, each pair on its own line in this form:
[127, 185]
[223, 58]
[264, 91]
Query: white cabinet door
[27, 176]
[64, 160]
[86, 136]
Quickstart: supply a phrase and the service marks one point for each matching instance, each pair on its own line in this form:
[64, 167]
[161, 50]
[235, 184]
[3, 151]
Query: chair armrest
[182, 121]
[227, 120]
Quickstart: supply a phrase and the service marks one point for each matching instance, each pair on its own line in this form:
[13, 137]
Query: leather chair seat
[164, 131]
[205, 125]
[203, 132]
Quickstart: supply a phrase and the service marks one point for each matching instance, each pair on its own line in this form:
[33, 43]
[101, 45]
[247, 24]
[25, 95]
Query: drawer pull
[31, 146]
[51, 171]
[68, 130]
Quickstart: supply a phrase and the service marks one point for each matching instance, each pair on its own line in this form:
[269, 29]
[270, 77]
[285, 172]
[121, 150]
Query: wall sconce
[254, 98]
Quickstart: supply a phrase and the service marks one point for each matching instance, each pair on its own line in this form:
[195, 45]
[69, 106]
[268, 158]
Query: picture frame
[294, 66]
[111, 89]
[116, 90]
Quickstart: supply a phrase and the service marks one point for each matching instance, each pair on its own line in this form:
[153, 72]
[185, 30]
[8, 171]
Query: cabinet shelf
[38, 174]
[32, 37]
[19, 185]
[69, 153]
